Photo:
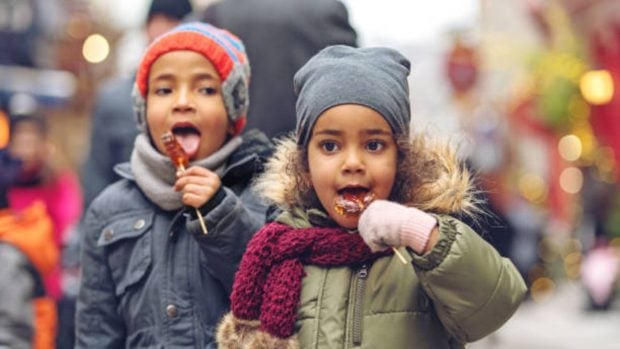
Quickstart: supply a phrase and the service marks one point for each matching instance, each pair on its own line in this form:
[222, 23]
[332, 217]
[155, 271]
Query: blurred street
[561, 322]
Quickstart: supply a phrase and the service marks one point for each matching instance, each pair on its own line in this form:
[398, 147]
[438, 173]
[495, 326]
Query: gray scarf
[155, 174]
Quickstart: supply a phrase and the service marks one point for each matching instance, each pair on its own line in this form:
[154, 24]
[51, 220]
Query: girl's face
[185, 97]
[351, 149]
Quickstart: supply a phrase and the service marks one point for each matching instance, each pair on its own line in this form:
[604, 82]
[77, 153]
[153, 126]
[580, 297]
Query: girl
[152, 275]
[323, 276]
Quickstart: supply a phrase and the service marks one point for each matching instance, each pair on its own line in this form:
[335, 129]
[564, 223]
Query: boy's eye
[160, 91]
[208, 90]
[329, 146]
[375, 145]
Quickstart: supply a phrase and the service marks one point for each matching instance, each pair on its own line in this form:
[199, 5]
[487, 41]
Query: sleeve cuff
[416, 229]
[217, 199]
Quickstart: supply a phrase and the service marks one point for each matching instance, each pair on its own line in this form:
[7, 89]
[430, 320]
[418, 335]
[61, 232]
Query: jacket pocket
[127, 244]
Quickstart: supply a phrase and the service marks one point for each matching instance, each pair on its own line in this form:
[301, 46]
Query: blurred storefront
[546, 100]
[53, 54]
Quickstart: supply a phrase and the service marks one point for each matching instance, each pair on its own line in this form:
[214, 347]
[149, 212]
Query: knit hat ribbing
[375, 77]
[225, 51]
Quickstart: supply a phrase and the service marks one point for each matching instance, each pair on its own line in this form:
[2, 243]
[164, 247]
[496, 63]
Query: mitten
[384, 224]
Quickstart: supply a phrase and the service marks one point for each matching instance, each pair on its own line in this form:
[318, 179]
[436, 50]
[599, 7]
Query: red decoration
[462, 67]
[604, 118]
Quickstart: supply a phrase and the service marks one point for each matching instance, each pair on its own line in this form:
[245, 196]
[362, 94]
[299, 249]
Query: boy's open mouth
[188, 137]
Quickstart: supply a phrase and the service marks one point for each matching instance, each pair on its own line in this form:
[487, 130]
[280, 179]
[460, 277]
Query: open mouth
[353, 192]
[188, 137]
[353, 200]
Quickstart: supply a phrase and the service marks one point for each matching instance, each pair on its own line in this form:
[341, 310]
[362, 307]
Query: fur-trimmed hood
[445, 186]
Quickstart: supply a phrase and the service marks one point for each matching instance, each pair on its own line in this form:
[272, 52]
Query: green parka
[459, 292]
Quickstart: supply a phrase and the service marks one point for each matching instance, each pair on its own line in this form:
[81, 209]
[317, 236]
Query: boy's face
[351, 149]
[185, 97]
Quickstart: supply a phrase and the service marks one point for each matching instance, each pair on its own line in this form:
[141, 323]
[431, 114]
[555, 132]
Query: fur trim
[449, 189]
[235, 333]
[276, 183]
[452, 189]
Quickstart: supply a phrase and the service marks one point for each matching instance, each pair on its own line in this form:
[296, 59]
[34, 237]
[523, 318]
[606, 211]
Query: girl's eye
[329, 146]
[375, 145]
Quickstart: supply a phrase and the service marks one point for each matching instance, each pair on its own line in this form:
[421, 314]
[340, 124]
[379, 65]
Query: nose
[183, 100]
[353, 161]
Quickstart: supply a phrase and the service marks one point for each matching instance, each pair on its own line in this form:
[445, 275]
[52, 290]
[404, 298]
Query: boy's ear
[230, 130]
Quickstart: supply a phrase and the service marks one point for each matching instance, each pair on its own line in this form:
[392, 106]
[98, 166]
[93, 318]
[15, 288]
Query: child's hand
[387, 224]
[198, 185]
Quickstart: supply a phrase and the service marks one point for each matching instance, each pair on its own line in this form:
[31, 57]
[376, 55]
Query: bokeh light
[571, 180]
[4, 129]
[533, 188]
[95, 49]
[570, 147]
[597, 87]
[542, 289]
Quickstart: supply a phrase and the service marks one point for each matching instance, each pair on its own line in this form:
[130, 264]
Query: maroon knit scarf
[267, 286]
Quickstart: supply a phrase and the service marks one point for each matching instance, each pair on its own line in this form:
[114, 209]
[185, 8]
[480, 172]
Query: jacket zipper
[362, 274]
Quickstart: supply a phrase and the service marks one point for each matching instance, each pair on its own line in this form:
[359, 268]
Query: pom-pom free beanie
[375, 77]
[224, 50]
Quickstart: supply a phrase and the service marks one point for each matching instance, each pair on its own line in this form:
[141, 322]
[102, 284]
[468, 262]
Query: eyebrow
[370, 132]
[205, 76]
[171, 76]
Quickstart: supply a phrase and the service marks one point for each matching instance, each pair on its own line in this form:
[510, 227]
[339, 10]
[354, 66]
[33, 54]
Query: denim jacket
[151, 278]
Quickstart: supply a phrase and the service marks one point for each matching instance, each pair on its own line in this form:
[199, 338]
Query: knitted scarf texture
[267, 286]
[155, 174]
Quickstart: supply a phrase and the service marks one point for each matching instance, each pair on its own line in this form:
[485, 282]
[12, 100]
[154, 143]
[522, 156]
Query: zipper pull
[363, 272]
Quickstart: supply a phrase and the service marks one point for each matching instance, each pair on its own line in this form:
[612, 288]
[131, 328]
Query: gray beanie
[375, 77]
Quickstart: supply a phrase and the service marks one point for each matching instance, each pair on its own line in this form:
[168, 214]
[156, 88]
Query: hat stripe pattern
[225, 51]
[233, 52]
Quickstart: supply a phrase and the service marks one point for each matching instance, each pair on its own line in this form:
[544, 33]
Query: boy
[151, 276]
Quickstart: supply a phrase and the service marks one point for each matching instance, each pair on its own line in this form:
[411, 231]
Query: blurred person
[600, 267]
[152, 274]
[19, 38]
[113, 125]
[280, 36]
[42, 180]
[27, 254]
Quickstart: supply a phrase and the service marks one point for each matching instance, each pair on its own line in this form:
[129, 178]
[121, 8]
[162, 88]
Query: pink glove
[385, 223]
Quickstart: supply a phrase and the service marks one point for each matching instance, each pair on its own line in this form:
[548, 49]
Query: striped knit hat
[225, 51]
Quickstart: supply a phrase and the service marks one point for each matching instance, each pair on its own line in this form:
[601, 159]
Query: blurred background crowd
[527, 89]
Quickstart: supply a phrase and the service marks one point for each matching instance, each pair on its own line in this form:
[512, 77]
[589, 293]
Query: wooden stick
[399, 255]
[198, 214]
[202, 222]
